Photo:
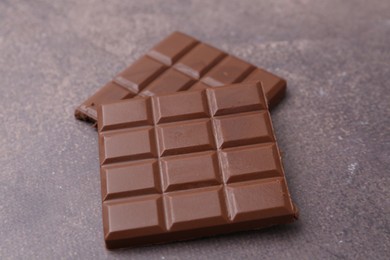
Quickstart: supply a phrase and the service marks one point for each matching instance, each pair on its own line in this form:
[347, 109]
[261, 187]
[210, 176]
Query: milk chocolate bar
[190, 164]
[180, 63]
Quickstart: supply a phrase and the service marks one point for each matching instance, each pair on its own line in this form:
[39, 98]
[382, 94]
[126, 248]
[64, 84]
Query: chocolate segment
[180, 63]
[190, 164]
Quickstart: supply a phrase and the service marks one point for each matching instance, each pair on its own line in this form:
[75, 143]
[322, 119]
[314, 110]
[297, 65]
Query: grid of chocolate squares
[187, 148]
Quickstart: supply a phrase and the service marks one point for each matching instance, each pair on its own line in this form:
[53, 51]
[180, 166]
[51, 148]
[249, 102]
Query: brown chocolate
[180, 63]
[190, 164]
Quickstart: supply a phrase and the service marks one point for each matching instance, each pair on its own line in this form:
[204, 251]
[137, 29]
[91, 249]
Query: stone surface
[333, 126]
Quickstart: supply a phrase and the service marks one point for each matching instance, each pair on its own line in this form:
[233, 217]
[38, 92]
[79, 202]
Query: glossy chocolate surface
[179, 63]
[190, 164]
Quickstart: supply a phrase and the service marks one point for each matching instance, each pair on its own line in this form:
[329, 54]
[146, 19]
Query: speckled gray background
[333, 127]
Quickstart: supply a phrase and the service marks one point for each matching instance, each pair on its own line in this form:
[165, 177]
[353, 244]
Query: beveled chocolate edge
[202, 232]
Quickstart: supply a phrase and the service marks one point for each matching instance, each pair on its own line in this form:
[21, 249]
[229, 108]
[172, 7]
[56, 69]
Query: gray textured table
[333, 127]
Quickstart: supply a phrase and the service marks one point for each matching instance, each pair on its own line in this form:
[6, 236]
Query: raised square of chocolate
[190, 164]
[178, 63]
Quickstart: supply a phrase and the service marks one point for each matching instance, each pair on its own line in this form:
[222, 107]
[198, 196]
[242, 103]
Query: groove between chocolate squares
[145, 194]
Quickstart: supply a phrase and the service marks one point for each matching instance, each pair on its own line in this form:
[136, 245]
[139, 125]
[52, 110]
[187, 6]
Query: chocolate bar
[180, 63]
[190, 164]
